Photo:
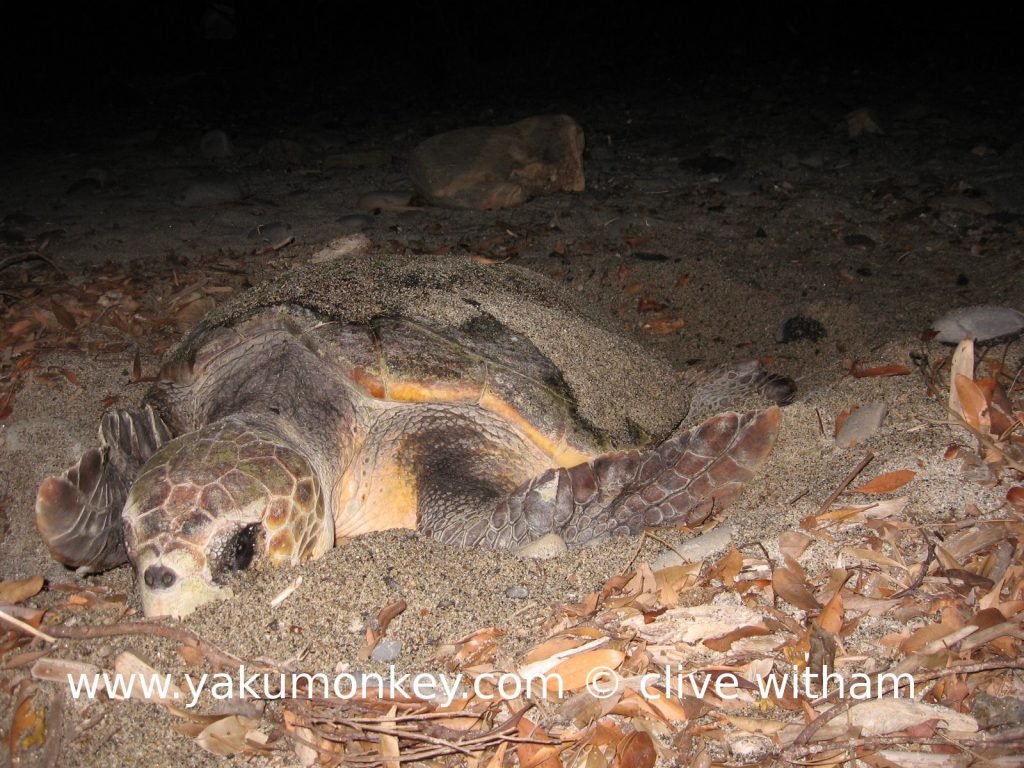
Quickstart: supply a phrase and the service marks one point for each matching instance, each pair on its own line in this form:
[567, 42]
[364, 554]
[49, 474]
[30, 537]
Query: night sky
[94, 64]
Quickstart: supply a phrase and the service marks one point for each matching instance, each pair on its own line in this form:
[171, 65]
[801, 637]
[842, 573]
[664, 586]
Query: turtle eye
[241, 548]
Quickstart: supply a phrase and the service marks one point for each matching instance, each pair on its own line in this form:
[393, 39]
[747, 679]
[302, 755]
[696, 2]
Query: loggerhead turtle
[482, 405]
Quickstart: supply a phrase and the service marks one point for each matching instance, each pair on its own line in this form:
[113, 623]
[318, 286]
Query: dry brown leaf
[874, 557]
[128, 665]
[191, 655]
[575, 671]
[1015, 496]
[64, 317]
[962, 364]
[888, 715]
[635, 751]
[498, 758]
[304, 737]
[860, 513]
[552, 646]
[886, 483]
[793, 543]
[841, 418]
[12, 592]
[28, 728]
[724, 643]
[388, 744]
[729, 566]
[831, 618]
[226, 736]
[536, 755]
[793, 590]
[973, 405]
[881, 370]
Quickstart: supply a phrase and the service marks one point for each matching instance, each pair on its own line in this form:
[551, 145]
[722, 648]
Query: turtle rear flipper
[693, 473]
[79, 513]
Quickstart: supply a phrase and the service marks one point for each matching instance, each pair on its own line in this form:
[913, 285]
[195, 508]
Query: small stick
[28, 628]
[180, 634]
[846, 482]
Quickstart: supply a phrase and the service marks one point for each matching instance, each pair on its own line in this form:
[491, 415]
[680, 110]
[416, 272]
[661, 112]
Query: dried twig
[24, 627]
[846, 482]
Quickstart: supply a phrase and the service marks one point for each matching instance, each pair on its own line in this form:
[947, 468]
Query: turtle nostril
[159, 577]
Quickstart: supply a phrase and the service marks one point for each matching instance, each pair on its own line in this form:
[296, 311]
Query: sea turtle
[483, 405]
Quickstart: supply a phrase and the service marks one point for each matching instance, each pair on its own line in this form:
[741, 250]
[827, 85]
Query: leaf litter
[661, 639]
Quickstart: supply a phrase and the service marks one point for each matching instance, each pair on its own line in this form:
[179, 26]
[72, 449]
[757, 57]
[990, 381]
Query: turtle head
[212, 503]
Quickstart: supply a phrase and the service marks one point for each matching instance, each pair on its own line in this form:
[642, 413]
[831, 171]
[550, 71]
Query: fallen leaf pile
[906, 650]
[109, 309]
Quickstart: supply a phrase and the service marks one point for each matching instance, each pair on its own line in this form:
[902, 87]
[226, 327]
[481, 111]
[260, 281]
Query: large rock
[499, 167]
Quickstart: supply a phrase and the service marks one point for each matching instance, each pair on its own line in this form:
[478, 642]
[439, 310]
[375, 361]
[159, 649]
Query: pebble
[215, 145]
[517, 593]
[861, 424]
[798, 328]
[210, 192]
[387, 649]
[547, 546]
[978, 323]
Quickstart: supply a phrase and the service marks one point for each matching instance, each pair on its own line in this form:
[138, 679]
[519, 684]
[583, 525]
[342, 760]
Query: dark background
[97, 63]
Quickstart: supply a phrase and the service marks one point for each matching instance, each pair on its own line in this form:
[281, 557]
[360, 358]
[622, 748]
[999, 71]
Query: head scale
[217, 501]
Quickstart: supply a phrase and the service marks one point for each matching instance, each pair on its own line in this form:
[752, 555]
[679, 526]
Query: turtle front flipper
[79, 513]
[682, 481]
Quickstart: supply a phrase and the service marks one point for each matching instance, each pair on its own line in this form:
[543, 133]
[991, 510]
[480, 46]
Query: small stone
[215, 145]
[517, 593]
[387, 649]
[861, 424]
[484, 168]
[547, 546]
[863, 122]
[354, 222]
[799, 328]
[978, 323]
[210, 192]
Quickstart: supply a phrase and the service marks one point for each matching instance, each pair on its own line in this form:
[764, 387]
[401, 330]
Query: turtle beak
[172, 585]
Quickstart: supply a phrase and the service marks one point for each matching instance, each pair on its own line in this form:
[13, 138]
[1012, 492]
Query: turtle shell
[447, 329]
